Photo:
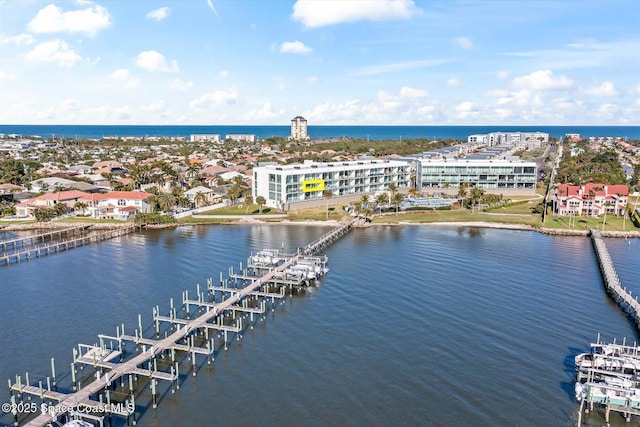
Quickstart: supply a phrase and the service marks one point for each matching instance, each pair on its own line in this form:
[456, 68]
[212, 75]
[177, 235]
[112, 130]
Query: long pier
[215, 317]
[37, 250]
[612, 283]
[32, 240]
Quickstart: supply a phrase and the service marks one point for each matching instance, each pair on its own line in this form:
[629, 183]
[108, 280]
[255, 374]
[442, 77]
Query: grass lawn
[241, 209]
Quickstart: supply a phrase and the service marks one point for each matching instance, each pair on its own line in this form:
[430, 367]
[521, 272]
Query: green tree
[327, 194]
[381, 199]
[260, 200]
[43, 214]
[166, 201]
[397, 200]
[80, 207]
[462, 192]
[200, 199]
[475, 194]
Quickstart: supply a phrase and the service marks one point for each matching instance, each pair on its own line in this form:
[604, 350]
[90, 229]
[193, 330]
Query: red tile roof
[129, 195]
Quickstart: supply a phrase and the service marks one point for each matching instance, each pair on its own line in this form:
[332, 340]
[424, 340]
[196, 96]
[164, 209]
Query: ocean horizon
[370, 132]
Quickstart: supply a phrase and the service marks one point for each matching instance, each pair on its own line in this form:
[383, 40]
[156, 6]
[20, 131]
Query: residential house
[49, 200]
[117, 204]
[210, 196]
[590, 200]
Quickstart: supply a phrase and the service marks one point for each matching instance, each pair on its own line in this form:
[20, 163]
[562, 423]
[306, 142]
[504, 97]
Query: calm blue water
[414, 325]
[371, 132]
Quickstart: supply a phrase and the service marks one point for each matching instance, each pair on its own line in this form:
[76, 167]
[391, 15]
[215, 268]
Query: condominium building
[497, 138]
[486, 174]
[240, 137]
[299, 129]
[293, 183]
[204, 137]
[590, 199]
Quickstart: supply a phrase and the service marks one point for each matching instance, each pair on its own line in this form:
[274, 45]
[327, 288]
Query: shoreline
[327, 223]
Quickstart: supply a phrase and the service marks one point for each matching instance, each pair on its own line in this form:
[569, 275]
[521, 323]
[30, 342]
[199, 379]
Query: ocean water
[413, 325]
[317, 132]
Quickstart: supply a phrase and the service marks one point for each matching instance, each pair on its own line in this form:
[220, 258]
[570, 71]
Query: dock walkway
[210, 316]
[35, 250]
[612, 283]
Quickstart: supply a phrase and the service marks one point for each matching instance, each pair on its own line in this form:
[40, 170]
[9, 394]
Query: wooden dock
[607, 379]
[32, 240]
[612, 283]
[210, 321]
[36, 250]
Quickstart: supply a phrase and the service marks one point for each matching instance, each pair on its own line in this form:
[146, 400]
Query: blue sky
[437, 62]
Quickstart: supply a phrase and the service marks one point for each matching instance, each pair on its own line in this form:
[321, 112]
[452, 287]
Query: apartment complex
[590, 199]
[241, 137]
[204, 137]
[498, 138]
[299, 129]
[285, 184]
[486, 174]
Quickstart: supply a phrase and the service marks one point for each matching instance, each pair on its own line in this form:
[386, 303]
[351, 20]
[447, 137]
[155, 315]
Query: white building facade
[498, 138]
[286, 184]
[485, 174]
[299, 129]
[204, 137]
[240, 137]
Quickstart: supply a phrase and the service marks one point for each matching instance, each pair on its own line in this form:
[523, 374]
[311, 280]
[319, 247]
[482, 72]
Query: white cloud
[120, 74]
[542, 80]
[213, 9]
[313, 13]
[223, 74]
[6, 76]
[498, 92]
[454, 81]
[54, 51]
[409, 92]
[210, 101]
[20, 39]
[399, 66]
[605, 89]
[51, 19]
[467, 109]
[152, 60]
[159, 14]
[463, 42]
[178, 84]
[607, 109]
[502, 74]
[156, 106]
[294, 47]
[70, 104]
[312, 79]
[122, 113]
[264, 113]
[522, 98]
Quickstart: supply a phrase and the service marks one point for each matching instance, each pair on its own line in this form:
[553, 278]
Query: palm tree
[234, 193]
[462, 192]
[476, 196]
[364, 200]
[414, 192]
[397, 200]
[381, 199]
[166, 201]
[199, 199]
[260, 200]
[80, 206]
[328, 194]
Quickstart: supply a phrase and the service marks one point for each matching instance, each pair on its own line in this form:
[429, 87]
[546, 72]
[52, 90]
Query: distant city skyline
[348, 62]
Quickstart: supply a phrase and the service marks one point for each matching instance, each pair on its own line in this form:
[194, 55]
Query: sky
[335, 62]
